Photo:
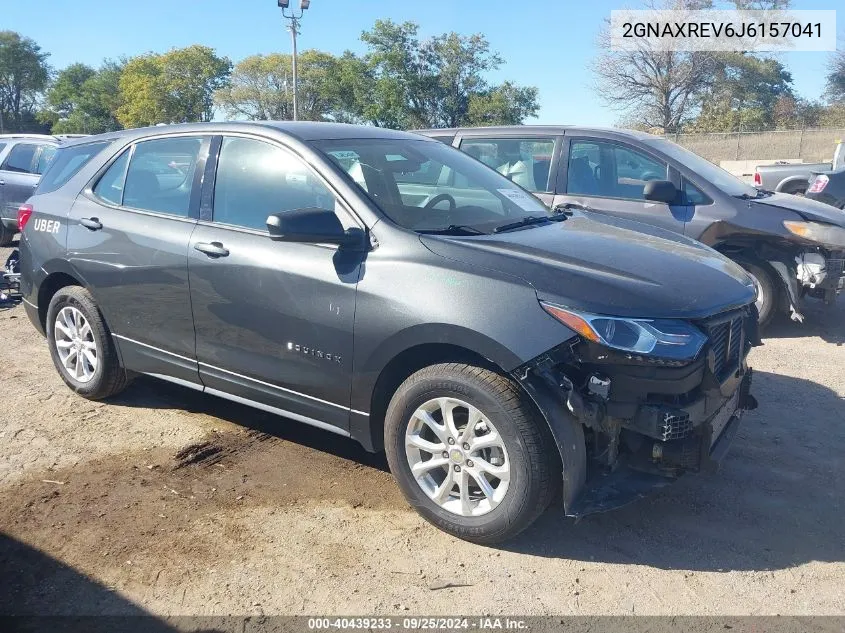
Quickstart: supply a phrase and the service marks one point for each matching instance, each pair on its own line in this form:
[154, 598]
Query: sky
[545, 43]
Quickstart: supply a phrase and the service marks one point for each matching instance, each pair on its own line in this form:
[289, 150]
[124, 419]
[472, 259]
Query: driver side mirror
[660, 191]
[312, 225]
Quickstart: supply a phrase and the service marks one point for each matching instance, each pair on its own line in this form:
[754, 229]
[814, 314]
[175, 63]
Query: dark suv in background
[500, 354]
[23, 158]
[791, 247]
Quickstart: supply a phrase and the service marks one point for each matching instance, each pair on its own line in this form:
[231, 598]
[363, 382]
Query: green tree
[82, 100]
[507, 104]
[743, 93]
[173, 87]
[24, 75]
[427, 83]
[261, 87]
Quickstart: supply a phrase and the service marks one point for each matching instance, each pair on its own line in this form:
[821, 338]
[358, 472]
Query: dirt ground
[170, 502]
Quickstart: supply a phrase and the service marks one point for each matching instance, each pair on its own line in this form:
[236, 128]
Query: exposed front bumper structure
[644, 423]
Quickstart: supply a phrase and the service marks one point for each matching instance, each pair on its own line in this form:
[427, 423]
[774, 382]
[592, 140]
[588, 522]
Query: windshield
[427, 186]
[714, 174]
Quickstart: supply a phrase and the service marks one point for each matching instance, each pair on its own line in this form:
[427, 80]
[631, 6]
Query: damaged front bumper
[642, 424]
[819, 274]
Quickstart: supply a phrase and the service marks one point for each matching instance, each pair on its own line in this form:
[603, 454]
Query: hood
[809, 209]
[609, 266]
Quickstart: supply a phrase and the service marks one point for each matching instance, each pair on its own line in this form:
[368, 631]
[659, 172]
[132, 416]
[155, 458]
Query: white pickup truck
[794, 177]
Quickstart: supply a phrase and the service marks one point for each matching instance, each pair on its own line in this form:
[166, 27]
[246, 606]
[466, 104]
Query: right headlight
[817, 232]
[662, 338]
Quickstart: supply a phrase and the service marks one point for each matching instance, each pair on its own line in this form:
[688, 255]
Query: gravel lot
[171, 502]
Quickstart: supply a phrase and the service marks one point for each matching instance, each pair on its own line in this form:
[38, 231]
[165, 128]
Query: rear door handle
[92, 224]
[212, 249]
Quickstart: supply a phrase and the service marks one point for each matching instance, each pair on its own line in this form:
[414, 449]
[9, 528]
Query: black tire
[533, 459]
[7, 235]
[769, 288]
[109, 378]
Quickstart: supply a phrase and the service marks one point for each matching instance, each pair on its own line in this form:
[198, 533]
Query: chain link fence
[810, 145]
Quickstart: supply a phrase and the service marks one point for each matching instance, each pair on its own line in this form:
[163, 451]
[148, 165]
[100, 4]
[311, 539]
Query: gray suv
[23, 158]
[501, 355]
[792, 247]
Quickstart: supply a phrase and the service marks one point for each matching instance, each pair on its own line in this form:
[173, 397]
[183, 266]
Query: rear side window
[65, 163]
[524, 161]
[21, 158]
[110, 186]
[161, 175]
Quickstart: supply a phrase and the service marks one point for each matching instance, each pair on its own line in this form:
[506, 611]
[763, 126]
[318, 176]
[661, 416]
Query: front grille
[727, 341]
[675, 426]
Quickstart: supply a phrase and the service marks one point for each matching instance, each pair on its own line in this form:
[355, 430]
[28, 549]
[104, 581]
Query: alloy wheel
[74, 340]
[457, 457]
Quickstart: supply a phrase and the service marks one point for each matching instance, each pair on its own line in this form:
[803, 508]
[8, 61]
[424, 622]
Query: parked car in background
[23, 158]
[792, 247]
[794, 177]
[829, 187]
[503, 355]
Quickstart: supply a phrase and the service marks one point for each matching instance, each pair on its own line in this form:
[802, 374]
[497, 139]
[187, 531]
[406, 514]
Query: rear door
[273, 320]
[608, 177]
[128, 238]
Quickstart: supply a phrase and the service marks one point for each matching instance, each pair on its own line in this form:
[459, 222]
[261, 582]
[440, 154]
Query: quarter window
[20, 158]
[44, 158]
[161, 174]
[66, 164]
[608, 170]
[693, 195]
[256, 179]
[524, 161]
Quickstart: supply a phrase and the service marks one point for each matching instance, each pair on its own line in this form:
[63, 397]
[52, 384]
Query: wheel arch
[793, 183]
[47, 289]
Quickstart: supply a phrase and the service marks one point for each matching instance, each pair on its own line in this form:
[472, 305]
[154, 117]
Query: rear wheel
[81, 345]
[768, 295]
[469, 453]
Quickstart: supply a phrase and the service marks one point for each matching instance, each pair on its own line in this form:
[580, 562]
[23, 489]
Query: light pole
[291, 14]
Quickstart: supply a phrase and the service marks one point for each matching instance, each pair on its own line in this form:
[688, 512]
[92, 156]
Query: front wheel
[767, 290]
[469, 452]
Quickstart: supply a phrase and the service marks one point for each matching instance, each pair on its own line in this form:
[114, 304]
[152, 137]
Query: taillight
[758, 179]
[818, 185]
[24, 213]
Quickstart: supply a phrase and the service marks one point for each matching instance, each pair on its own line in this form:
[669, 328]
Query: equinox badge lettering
[316, 353]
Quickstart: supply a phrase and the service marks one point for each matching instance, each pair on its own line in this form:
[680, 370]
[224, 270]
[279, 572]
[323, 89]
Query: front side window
[21, 158]
[161, 174]
[465, 198]
[609, 170]
[256, 179]
[524, 161]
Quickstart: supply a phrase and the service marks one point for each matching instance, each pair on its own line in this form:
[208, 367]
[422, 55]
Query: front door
[128, 238]
[609, 177]
[273, 319]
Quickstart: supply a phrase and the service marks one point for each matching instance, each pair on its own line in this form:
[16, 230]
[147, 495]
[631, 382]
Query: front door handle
[212, 249]
[92, 224]
[2, 182]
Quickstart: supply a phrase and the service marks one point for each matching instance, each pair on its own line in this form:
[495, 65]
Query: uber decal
[46, 226]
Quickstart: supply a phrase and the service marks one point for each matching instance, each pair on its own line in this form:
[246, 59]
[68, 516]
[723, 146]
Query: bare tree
[661, 90]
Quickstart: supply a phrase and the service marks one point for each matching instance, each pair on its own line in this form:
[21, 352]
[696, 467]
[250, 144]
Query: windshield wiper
[528, 221]
[453, 229]
[760, 194]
